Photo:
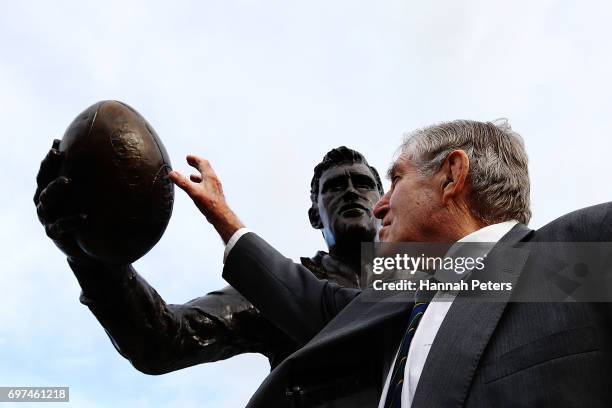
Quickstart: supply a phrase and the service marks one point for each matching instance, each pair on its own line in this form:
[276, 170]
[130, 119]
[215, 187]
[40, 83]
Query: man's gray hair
[498, 174]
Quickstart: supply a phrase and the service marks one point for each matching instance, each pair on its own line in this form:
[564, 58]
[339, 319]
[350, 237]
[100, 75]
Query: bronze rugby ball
[119, 169]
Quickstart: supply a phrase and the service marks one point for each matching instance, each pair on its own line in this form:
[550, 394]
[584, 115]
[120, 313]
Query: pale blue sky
[263, 89]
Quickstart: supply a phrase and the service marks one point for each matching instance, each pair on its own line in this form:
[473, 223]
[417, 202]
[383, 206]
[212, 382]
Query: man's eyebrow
[392, 170]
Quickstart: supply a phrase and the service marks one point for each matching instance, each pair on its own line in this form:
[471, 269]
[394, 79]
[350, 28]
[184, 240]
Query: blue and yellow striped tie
[394, 393]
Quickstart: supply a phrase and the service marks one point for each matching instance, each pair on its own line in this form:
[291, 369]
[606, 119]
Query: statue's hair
[498, 174]
[336, 157]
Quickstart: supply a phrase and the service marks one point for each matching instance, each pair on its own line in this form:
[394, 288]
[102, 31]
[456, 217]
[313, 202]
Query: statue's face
[347, 194]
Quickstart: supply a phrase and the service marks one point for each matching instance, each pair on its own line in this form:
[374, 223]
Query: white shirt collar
[490, 233]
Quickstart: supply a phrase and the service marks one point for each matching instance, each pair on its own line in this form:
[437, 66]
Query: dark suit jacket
[485, 354]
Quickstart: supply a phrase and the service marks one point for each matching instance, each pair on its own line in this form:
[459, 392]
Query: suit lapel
[466, 330]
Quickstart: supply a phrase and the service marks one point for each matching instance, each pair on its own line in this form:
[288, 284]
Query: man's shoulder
[590, 224]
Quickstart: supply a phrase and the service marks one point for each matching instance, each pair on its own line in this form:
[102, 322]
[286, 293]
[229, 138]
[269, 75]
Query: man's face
[410, 209]
[347, 194]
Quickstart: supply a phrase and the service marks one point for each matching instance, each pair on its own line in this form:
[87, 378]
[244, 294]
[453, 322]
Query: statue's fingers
[65, 225]
[54, 200]
[49, 168]
[55, 191]
[43, 214]
[50, 164]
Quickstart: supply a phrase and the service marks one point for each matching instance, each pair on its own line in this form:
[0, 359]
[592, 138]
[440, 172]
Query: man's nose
[381, 207]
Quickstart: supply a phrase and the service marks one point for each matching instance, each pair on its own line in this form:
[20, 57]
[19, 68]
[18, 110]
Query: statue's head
[343, 192]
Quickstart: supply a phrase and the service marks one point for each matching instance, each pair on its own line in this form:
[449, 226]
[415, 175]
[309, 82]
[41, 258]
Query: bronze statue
[157, 337]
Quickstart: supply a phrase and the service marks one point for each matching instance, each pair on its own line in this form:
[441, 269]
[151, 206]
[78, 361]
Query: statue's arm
[157, 337]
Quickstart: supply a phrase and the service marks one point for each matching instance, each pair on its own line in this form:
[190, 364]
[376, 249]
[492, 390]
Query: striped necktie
[394, 393]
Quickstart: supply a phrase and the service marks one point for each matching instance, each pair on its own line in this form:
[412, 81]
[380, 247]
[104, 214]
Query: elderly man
[457, 181]
[157, 337]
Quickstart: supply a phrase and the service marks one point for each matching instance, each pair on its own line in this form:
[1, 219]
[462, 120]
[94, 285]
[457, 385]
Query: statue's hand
[55, 205]
[207, 193]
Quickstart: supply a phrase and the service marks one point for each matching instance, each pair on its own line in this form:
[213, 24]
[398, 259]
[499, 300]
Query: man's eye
[363, 183]
[394, 180]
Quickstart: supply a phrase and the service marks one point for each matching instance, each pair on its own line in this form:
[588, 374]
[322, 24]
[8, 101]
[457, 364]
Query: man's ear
[455, 170]
[315, 218]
